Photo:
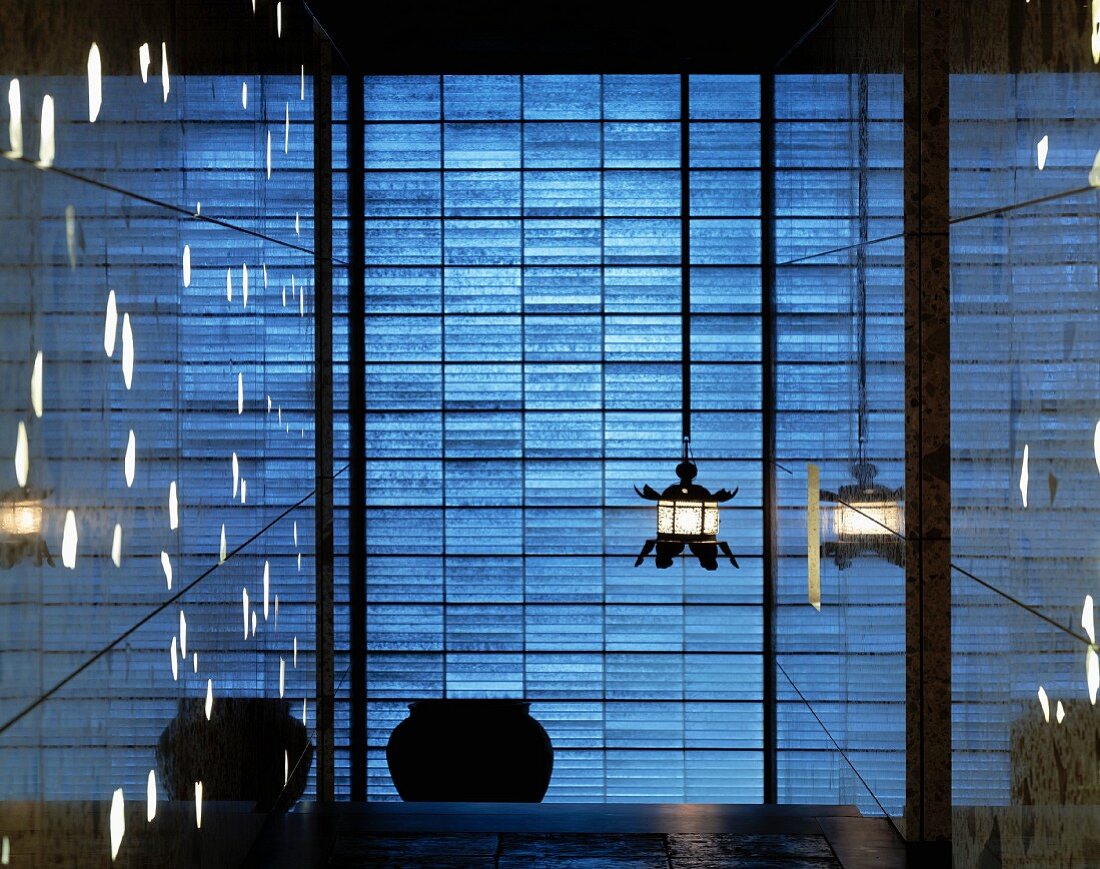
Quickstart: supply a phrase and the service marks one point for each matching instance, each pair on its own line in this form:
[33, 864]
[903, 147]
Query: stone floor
[483, 836]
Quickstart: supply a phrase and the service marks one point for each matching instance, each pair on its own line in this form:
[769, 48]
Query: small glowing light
[183, 635]
[269, 154]
[244, 95]
[164, 80]
[240, 393]
[235, 474]
[284, 295]
[36, 385]
[127, 351]
[295, 532]
[244, 490]
[297, 224]
[267, 583]
[118, 822]
[22, 455]
[1094, 173]
[110, 325]
[1041, 152]
[15, 120]
[253, 622]
[1087, 619]
[244, 286]
[1024, 476]
[302, 95]
[116, 546]
[151, 797]
[253, 7]
[5, 851]
[299, 562]
[1060, 713]
[286, 130]
[195, 661]
[229, 285]
[295, 653]
[175, 663]
[279, 414]
[187, 265]
[130, 459]
[276, 612]
[198, 208]
[304, 710]
[173, 507]
[1045, 703]
[1092, 669]
[69, 541]
[244, 606]
[282, 675]
[269, 404]
[279, 18]
[198, 804]
[286, 767]
[166, 565]
[46, 144]
[70, 234]
[1095, 31]
[302, 313]
[209, 697]
[143, 62]
[221, 548]
[95, 83]
[264, 265]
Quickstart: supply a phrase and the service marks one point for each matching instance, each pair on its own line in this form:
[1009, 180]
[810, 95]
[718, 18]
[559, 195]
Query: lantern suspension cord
[685, 262]
[861, 274]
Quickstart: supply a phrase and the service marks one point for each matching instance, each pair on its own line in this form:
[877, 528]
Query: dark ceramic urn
[242, 753]
[470, 751]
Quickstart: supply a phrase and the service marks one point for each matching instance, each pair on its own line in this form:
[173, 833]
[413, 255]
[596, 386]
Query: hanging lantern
[687, 515]
[867, 519]
[21, 527]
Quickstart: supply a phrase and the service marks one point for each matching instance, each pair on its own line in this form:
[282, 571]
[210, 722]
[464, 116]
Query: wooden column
[927, 425]
[322, 397]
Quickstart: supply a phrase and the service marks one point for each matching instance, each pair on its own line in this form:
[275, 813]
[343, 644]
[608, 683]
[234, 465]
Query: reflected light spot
[166, 565]
[1087, 619]
[127, 351]
[229, 285]
[116, 546]
[1044, 702]
[187, 265]
[5, 851]
[244, 606]
[279, 18]
[198, 208]
[304, 710]
[264, 266]
[195, 661]
[276, 612]
[70, 234]
[269, 404]
[240, 392]
[267, 584]
[69, 541]
[1092, 668]
[302, 302]
[253, 622]
[130, 459]
[143, 62]
[221, 548]
[1060, 713]
[151, 797]
[173, 507]
[1024, 476]
[302, 95]
[269, 154]
[295, 532]
[175, 662]
[279, 414]
[110, 325]
[183, 635]
[286, 767]
[95, 83]
[209, 697]
[198, 804]
[118, 822]
[244, 490]
[282, 675]
[165, 84]
[299, 562]
[286, 130]
[1094, 173]
[244, 286]
[46, 145]
[244, 95]
[1041, 152]
[1095, 34]
[36, 385]
[297, 224]
[284, 295]
[15, 120]
[295, 653]
[235, 474]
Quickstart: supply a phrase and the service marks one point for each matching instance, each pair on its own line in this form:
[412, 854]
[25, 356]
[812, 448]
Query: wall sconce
[687, 515]
[21, 514]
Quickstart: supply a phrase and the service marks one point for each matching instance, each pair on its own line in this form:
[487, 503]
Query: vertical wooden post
[927, 424]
